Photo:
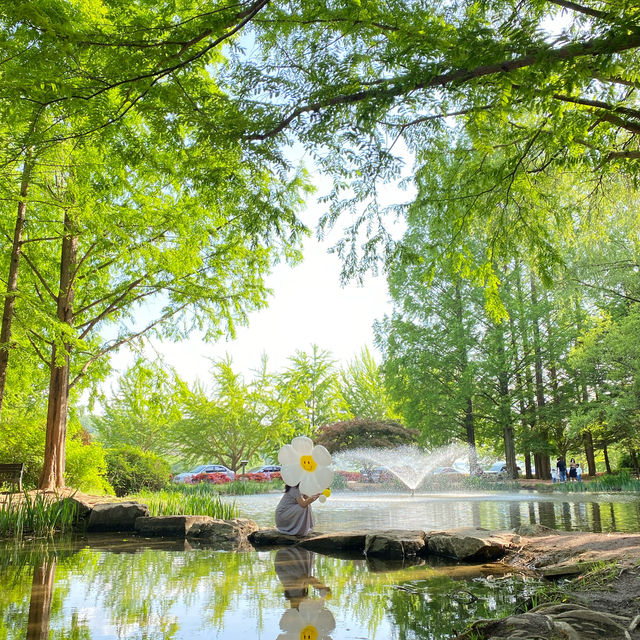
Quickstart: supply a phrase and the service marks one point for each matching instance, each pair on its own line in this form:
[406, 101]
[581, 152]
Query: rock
[569, 568]
[116, 516]
[336, 543]
[273, 538]
[395, 544]
[170, 526]
[223, 532]
[82, 508]
[469, 543]
[533, 530]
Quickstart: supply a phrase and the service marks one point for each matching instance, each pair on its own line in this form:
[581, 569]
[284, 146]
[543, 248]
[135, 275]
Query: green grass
[37, 515]
[188, 501]
[616, 482]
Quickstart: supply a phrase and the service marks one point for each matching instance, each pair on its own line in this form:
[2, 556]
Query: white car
[203, 468]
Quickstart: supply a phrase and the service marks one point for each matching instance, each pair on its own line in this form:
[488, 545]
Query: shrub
[86, 467]
[130, 470]
[213, 478]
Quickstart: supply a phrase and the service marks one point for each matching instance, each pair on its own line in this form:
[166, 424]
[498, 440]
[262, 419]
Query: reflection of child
[294, 568]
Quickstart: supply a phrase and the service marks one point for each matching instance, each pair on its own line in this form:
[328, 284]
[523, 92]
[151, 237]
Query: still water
[492, 510]
[125, 587]
[100, 588]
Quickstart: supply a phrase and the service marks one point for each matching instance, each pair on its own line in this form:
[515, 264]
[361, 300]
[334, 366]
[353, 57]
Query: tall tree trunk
[587, 439]
[543, 465]
[463, 359]
[605, 453]
[12, 280]
[58, 408]
[527, 408]
[504, 407]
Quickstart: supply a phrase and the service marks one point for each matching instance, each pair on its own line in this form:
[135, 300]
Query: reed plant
[187, 501]
[621, 481]
[37, 514]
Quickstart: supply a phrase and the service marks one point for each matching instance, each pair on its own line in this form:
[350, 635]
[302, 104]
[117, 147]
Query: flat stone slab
[170, 526]
[395, 544]
[116, 516]
[273, 538]
[471, 543]
[341, 542]
[223, 531]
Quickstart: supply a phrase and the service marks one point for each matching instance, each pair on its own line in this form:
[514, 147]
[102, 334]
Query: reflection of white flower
[324, 495]
[310, 621]
[307, 465]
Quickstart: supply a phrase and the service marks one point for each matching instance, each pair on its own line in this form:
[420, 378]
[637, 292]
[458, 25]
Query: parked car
[447, 471]
[499, 469]
[377, 474]
[188, 476]
[267, 469]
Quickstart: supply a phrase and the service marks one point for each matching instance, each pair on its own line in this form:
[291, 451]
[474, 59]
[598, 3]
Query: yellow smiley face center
[309, 633]
[327, 492]
[308, 463]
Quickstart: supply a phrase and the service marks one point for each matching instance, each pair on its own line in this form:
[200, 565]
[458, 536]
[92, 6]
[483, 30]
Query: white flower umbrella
[304, 464]
[310, 621]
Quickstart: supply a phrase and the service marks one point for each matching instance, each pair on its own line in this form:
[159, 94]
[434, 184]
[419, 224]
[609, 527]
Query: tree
[237, 421]
[363, 389]
[143, 411]
[356, 433]
[311, 386]
[401, 71]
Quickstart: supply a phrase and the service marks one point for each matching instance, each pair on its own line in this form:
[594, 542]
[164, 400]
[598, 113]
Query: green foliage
[235, 422]
[621, 481]
[87, 467]
[364, 391]
[36, 514]
[130, 470]
[143, 410]
[312, 390]
[188, 501]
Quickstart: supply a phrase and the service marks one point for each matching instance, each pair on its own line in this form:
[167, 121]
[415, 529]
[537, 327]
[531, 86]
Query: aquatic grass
[621, 481]
[40, 515]
[173, 502]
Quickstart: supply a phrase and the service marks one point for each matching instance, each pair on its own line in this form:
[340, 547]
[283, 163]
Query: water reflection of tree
[442, 607]
[44, 574]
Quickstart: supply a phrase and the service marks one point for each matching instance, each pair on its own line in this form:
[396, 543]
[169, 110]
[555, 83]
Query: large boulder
[470, 543]
[534, 530]
[395, 544]
[223, 533]
[116, 516]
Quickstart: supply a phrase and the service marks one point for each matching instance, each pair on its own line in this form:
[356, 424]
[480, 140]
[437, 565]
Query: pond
[106, 587]
[101, 587]
[346, 511]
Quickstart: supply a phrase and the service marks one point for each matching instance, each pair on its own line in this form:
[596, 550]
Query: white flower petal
[290, 636]
[292, 621]
[326, 623]
[310, 608]
[324, 477]
[288, 455]
[302, 445]
[309, 484]
[321, 455]
[292, 474]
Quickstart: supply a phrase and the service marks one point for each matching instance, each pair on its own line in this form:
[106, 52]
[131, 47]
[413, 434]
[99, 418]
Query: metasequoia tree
[557, 79]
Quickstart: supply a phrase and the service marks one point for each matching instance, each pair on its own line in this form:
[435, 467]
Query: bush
[131, 470]
[86, 467]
